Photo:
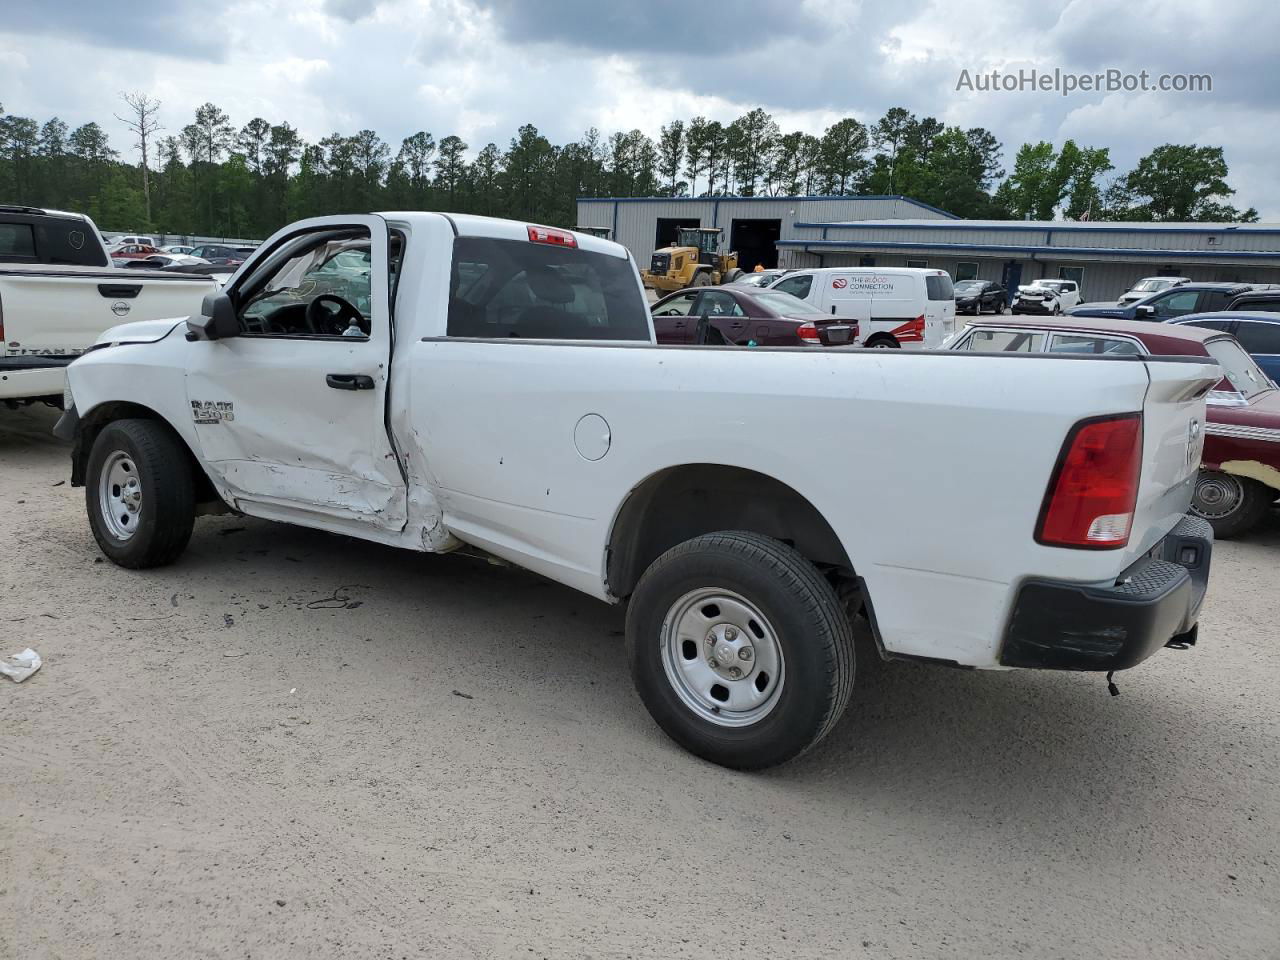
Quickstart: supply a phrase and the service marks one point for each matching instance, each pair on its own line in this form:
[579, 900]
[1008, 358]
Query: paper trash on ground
[21, 665]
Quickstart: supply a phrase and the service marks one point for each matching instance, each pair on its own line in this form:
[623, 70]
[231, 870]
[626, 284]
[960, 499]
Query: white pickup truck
[436, 382]
[59, 291]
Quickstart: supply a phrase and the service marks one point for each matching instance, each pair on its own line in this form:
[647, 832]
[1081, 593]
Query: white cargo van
[908, 307]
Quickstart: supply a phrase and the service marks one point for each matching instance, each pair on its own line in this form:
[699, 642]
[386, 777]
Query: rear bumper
[1067, 626]
[33, 376]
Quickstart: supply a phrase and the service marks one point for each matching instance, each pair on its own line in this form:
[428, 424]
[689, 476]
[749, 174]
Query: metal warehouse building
[753, 226]
[1104, 257]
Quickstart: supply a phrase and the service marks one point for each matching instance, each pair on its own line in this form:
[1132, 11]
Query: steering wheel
[323, 320]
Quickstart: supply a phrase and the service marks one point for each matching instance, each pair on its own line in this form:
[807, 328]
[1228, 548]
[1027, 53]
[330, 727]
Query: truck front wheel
[139, 494]
[740, 649]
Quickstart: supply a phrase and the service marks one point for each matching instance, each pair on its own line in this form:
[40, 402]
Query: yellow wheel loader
[694, 260]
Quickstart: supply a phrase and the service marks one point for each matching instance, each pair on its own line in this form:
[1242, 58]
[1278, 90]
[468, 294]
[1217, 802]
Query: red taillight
[808, 333]
[1093, 490]
[557, 238]
[910, 332]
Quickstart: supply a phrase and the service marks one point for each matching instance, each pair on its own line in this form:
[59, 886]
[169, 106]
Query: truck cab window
[521, 289]
[322, 289]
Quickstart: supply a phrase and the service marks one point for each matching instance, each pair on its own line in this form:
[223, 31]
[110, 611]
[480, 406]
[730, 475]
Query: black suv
[1267, 300]
[1175, 302]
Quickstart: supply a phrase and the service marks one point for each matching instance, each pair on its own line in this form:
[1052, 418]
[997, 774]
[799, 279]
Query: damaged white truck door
[290, 412]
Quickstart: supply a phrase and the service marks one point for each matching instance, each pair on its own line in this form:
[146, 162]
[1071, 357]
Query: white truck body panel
[487, 444]
[59, 311]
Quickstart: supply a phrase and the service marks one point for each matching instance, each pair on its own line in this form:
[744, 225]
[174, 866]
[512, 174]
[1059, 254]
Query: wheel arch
[681, 502]
[94, 421]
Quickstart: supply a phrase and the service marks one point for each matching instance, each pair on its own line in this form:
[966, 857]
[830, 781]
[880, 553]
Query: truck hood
[140, 331]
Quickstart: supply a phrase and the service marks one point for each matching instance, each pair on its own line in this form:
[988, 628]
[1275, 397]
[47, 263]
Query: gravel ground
[294, 745]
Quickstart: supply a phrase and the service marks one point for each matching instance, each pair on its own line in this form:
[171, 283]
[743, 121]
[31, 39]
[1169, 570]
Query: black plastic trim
[68, 424]
[35, 361]
[1057, 625]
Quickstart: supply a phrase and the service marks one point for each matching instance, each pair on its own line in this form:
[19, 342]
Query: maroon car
[747, 316]
[1240, 467]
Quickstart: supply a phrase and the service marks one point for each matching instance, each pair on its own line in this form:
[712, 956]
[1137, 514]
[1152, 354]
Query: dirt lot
[293, 745]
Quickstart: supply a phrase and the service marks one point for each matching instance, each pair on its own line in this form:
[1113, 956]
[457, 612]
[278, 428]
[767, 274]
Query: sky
[481, 68]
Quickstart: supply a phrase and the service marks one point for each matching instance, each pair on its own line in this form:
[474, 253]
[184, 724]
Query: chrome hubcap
[120, 495]
[1217, 495]
[722, 657]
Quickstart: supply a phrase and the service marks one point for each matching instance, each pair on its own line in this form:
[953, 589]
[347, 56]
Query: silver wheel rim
[722, 657]
[120, 495]
[882, 345]
[1217, 495]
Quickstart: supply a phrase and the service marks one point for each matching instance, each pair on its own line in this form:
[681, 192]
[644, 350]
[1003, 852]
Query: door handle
[349, 381]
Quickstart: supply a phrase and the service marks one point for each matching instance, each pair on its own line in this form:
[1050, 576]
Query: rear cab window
[33, 237]
[519, 289]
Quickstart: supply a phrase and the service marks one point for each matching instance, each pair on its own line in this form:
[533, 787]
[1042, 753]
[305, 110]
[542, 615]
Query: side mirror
[1144, 311]
[217, 320]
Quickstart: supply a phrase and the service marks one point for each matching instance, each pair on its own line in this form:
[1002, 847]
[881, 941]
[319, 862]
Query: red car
[1240, 467]
[747, 316]
[133, 251]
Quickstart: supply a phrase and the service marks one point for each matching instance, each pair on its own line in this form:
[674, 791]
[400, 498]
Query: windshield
[786, 304]
[963, 286]
[1150, 286]
[1241, 372]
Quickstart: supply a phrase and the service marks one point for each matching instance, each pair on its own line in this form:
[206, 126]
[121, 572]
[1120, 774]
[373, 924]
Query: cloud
[481, 68]
[350, 10]
[654, 26]
[179, 28]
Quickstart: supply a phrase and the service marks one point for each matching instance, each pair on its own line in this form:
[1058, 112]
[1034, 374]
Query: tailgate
[1173, 418]
[63, 313]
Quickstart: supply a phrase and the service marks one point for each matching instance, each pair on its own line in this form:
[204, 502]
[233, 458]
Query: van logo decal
[839, 283]
[213, 411]
[76, 239]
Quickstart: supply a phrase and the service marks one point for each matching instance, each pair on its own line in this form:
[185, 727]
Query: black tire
[883, 341]
[812, 630]
[732, 276]
[702, 279]
[1232, 505]
[166, 512]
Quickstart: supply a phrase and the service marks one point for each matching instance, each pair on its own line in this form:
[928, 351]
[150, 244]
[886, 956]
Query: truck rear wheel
[1232, 505]
[139, 494]
[740, 649]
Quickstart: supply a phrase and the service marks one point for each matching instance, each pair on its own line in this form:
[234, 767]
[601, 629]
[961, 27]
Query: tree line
[212, 178]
